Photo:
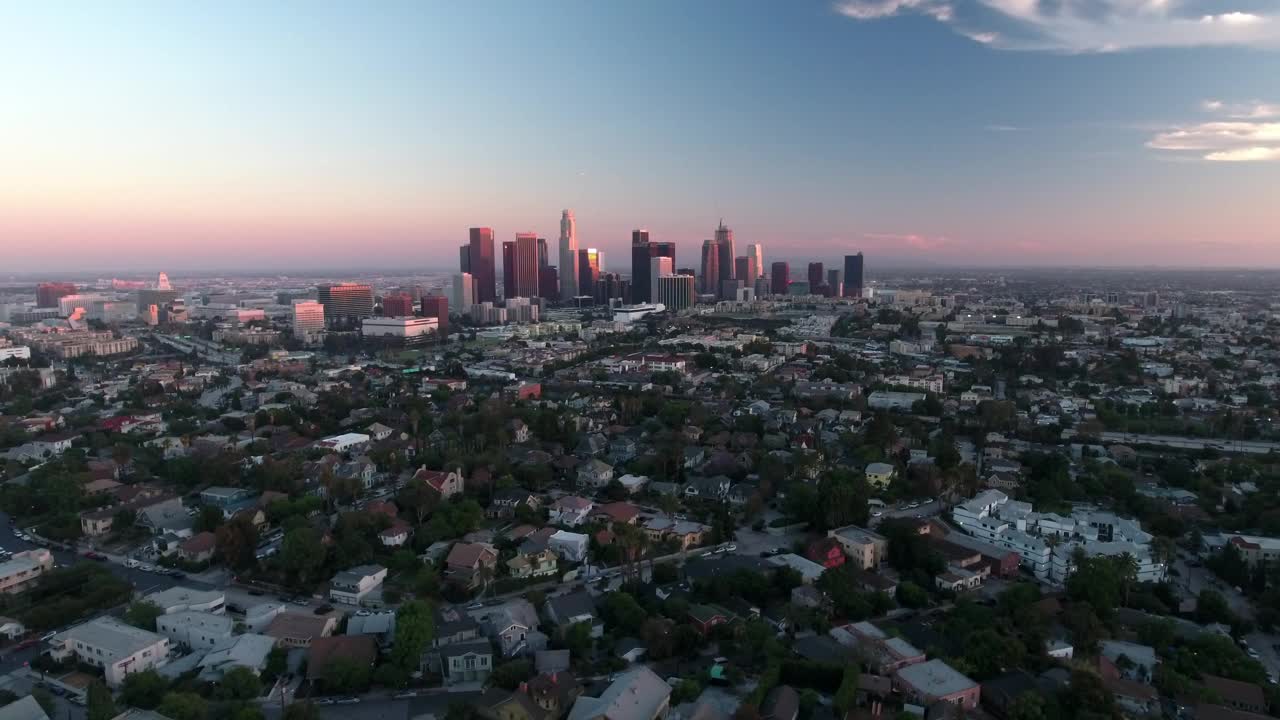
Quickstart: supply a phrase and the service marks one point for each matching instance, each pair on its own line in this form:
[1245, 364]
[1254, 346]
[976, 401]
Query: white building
[119, 649]
[195, 630]
[464, 291]
[351, 587]
[676, 292]
[307, 318]
[571, 547]
[344, 442]
[409, 330]
[181, 599]
[23, 570]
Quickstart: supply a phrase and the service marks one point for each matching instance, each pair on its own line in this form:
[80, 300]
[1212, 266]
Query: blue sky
[299, 134]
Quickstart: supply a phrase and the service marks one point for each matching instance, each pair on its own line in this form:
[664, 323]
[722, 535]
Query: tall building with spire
[568, 270]
[724, 240]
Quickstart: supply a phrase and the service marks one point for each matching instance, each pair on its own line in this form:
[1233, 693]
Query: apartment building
[352, 587]
[119, 649]
[22, 571]
[195, 630]
[865, 549]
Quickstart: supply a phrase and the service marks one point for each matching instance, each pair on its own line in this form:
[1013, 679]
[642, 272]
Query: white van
[131, 563]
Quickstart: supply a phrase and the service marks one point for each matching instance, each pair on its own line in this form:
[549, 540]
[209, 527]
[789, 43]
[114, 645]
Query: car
[477, 606]
[25, 537]
[405, 695]
[323, 701]
[913, 506]
[728, 547]
[352, 700]
[877, 513]
[927, 501]
[76, 699]
[1254, 654]
[48, 636]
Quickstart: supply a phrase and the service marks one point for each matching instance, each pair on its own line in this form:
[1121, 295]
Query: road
[434, 703]
[1252, 447]
[212, 398]
[1191, 580]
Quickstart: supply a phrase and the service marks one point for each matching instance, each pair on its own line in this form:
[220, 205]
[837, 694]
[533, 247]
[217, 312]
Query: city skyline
[940, 133]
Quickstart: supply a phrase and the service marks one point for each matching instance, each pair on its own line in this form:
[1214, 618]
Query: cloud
[1245, 136]
[1084, 25]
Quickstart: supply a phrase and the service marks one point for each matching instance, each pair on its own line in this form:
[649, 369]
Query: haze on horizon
[940, 132]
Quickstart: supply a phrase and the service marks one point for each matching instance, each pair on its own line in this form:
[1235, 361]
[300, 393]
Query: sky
[304, 134]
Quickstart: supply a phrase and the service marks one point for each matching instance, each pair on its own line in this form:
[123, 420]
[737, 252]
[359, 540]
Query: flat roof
[115, 637]
[935, 678]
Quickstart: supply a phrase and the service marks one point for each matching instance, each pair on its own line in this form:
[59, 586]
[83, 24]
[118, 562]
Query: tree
[623, 613]
[848, 691]
[301, 553]
[143, 689]
[414, 629]
[143, 614]
[912, 595]
[184, 706]
[209, 519]
[123, 520]
[577, 638]
[239, 684]
[346, 675]
[509, 675]
[237, 541]
[101, 704]
[1027, 706]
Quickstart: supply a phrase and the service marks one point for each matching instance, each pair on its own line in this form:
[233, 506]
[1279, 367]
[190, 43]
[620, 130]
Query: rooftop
[935, 678]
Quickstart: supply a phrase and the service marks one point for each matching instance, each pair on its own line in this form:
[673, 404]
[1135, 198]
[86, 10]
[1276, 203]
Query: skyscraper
[464, 292]
[588, 267]
[508, 268]
[544, 258]
[710, 266]
[674, 291]
[658, 267]
[345, 303]
[724, 239]
[47, 293]
[437, 306]
[756, 250]
[464, 258]
[853, 275]
[483, 267]
[524, 266]
[568, 270]
[640, 255]
[815, 274]
[835, 286]
[744, 269]
[781, 277]
[548, 283]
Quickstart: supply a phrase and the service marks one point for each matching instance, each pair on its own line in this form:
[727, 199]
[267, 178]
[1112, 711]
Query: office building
[835, 286]
[119, 649]
[676, 292]
[307, 318]
[482, 264]
[611, 287]
[588, 267]
[816, 277]
[710, 266]
[345, 303]
[640, 256]
[397, 305]
[549, 283]
[798, 288]
[756, 251]
[745, 269]
[568, 269]
[524, 266]
[464, 258]
[48, 293]
[658, 266]
[522, 310]
[464, 287]
[853, 275]
[400, 330]
[509, 269]
[437, 306]
[724, 240]
[543, 259]
[762, 286]
[780, 278]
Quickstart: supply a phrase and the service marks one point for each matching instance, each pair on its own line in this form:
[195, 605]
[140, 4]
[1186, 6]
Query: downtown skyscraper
[520, 266]
[481, 265]
[642, 252]
[568, 270]
[710, 267]
[724, 240]
[755, 250]
[853, 275]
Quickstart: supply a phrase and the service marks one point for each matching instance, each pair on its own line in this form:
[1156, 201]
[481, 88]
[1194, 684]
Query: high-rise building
[568, 269]
[835, 286]
[464, 258]
[815, 274]
[437, 306]
[345, 303]
[756, 250]
[548, 283]
[724, 239]
[47, 293]
[162, 282]
[464, 291]
[483, 267]
[610, 287]
[308, 318]
[780, 278]
[853, 275]
[640, 255]
[710, 266]
[525, 265]
[588, 267]
[676, 292]
[397, 305]
[509, 269]
[658, 266]
[744, 269]
[543, 258]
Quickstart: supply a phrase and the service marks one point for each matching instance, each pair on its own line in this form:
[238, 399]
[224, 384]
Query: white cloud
[1075, 26]
[1245, 137]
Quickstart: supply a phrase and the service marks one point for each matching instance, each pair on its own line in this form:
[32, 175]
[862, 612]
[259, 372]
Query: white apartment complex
[117, 648]
[24, 569]
[1046, 542]
[195, 630]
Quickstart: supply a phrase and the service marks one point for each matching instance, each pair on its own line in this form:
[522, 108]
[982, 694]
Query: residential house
[573, 608]
[554, 692]
[637, 694]
[513, 627]
[595, 473]
[827, 552]
[445, 482]
[198, 548]
[536, 564]
[706, 617]
[571, 547]
[616, 513]
[397, 534]
[506, 502]
[381, 626]
[880, 474]
[470, 564]
[467, 662]
[935, 681]
[248, 651]
[24, 569]
[571, 510]
[354, 586]
[360, 650]
[300, 629]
